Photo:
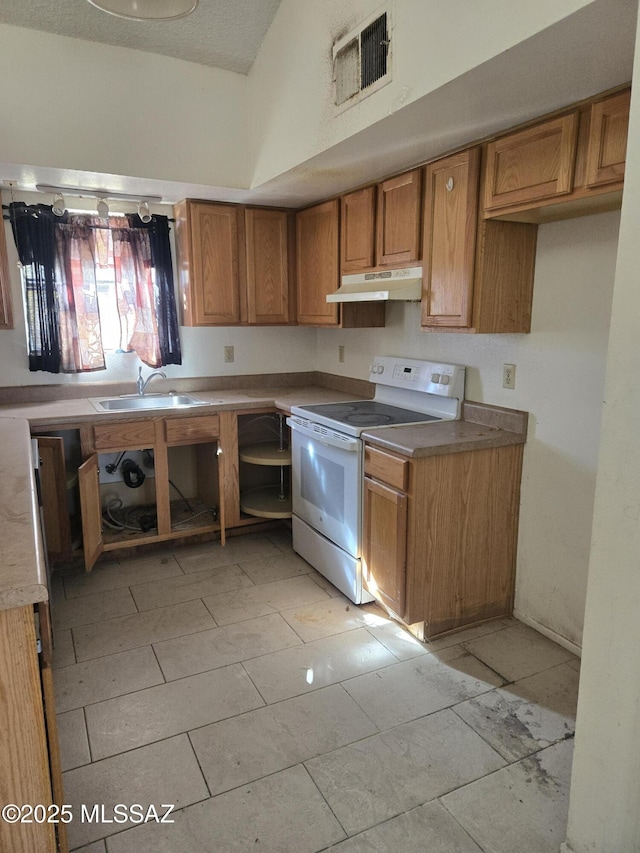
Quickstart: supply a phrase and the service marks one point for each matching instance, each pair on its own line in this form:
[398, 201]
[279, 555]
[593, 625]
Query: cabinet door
[399, 219]
[267, 266]
[357, 234]
[450, 220]
[6, 314]
[214, 246]
[51, 720]
[533, 164]
[23, 739]
[317, 263]
[608, 140]
[53, 484]
[91, 510]
[385, 544]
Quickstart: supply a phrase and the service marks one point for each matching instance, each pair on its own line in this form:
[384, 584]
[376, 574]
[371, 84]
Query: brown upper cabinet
[398, 232]
[532, 164]
[207, 239]
[6, 314]
[608, 140]
[317, 273]
[567, 166]
[357, 230]
[267, 254]
[233, 264]
[380, 225]
[450, 224]
[478, 273]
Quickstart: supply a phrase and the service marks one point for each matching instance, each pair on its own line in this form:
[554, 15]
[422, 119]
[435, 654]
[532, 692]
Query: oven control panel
[431, 377]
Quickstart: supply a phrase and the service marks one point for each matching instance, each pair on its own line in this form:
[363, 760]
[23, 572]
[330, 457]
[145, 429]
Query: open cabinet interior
[128, 497]
[265, 466]
[194, 494]
[59, 456]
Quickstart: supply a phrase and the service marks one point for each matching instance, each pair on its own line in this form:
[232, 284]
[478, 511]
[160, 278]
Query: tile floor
[240, 686]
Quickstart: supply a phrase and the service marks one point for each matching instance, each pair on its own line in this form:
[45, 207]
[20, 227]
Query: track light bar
[50, 188]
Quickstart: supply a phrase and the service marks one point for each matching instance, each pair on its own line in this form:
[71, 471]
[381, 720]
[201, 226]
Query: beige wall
[103, 109]
[605, 784]
[290, 94]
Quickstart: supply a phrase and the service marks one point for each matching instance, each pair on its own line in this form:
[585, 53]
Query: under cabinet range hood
[381, 286]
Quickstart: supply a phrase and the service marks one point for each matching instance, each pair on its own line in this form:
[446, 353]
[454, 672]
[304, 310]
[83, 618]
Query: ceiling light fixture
[98, 193]
[143, 211]
[146, 10]
[58, 207]
[102, 208]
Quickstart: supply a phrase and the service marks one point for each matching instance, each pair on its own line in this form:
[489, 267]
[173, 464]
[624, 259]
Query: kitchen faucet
[142, 383]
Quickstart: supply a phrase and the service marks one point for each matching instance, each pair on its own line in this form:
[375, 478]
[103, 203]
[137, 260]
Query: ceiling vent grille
[362, 60]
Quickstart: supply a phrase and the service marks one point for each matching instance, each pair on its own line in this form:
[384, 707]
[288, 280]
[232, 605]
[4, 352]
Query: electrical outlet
[341, 354]
[229, 355]
[509, 376]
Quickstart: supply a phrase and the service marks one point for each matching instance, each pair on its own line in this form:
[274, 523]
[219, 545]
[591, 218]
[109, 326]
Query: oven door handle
[330, 439]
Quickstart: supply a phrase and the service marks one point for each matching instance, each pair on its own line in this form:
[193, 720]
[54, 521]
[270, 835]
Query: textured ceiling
[221, 33]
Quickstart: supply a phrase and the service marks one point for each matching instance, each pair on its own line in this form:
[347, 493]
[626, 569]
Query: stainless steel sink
[147, 401]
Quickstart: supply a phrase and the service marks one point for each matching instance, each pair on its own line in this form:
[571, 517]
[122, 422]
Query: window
[93, 285]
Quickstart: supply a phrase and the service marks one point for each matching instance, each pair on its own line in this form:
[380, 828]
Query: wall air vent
[362, 60]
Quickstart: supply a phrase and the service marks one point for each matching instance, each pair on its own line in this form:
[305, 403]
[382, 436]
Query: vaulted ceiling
[221, 33]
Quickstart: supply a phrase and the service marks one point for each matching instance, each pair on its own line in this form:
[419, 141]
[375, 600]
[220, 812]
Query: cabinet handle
[449, 184]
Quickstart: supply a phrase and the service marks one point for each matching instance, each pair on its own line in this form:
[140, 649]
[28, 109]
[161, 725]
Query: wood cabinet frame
[399, 223]
[385, 544]
[24, 750]
[207, 243]
[450, 227]
[608, 132]
[6, 309]
[358, 230]
[163, 438]
[235, 264]
[318, 273]
[531, 164]
[442, 552]
[267, 270]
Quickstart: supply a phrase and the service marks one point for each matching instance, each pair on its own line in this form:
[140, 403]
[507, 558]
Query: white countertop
[22, 569]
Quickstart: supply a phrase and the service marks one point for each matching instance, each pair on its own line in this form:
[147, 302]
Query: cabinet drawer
[129, 434]
[389, 469]
[186, 430]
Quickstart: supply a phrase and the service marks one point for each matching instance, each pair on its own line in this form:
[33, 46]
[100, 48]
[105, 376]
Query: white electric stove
[328, 456]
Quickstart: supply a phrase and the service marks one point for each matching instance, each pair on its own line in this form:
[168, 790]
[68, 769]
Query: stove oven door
[327, 482]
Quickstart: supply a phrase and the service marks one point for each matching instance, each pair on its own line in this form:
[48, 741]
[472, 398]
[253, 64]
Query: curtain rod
[8, 218]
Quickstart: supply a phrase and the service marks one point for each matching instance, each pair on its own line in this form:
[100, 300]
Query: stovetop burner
[368, 413]
[407, 391]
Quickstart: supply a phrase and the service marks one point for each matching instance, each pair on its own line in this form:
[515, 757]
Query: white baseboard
[557, 638]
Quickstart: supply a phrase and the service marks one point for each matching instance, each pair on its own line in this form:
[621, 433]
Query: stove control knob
[435, 377]
[444, 380]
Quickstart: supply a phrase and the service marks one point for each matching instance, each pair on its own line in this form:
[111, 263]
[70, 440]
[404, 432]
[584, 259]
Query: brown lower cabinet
[29, 755]
[440, 551]
[193, 465]
[190, 452]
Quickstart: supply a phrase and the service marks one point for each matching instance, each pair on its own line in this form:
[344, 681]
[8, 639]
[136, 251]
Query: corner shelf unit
[272, 500]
